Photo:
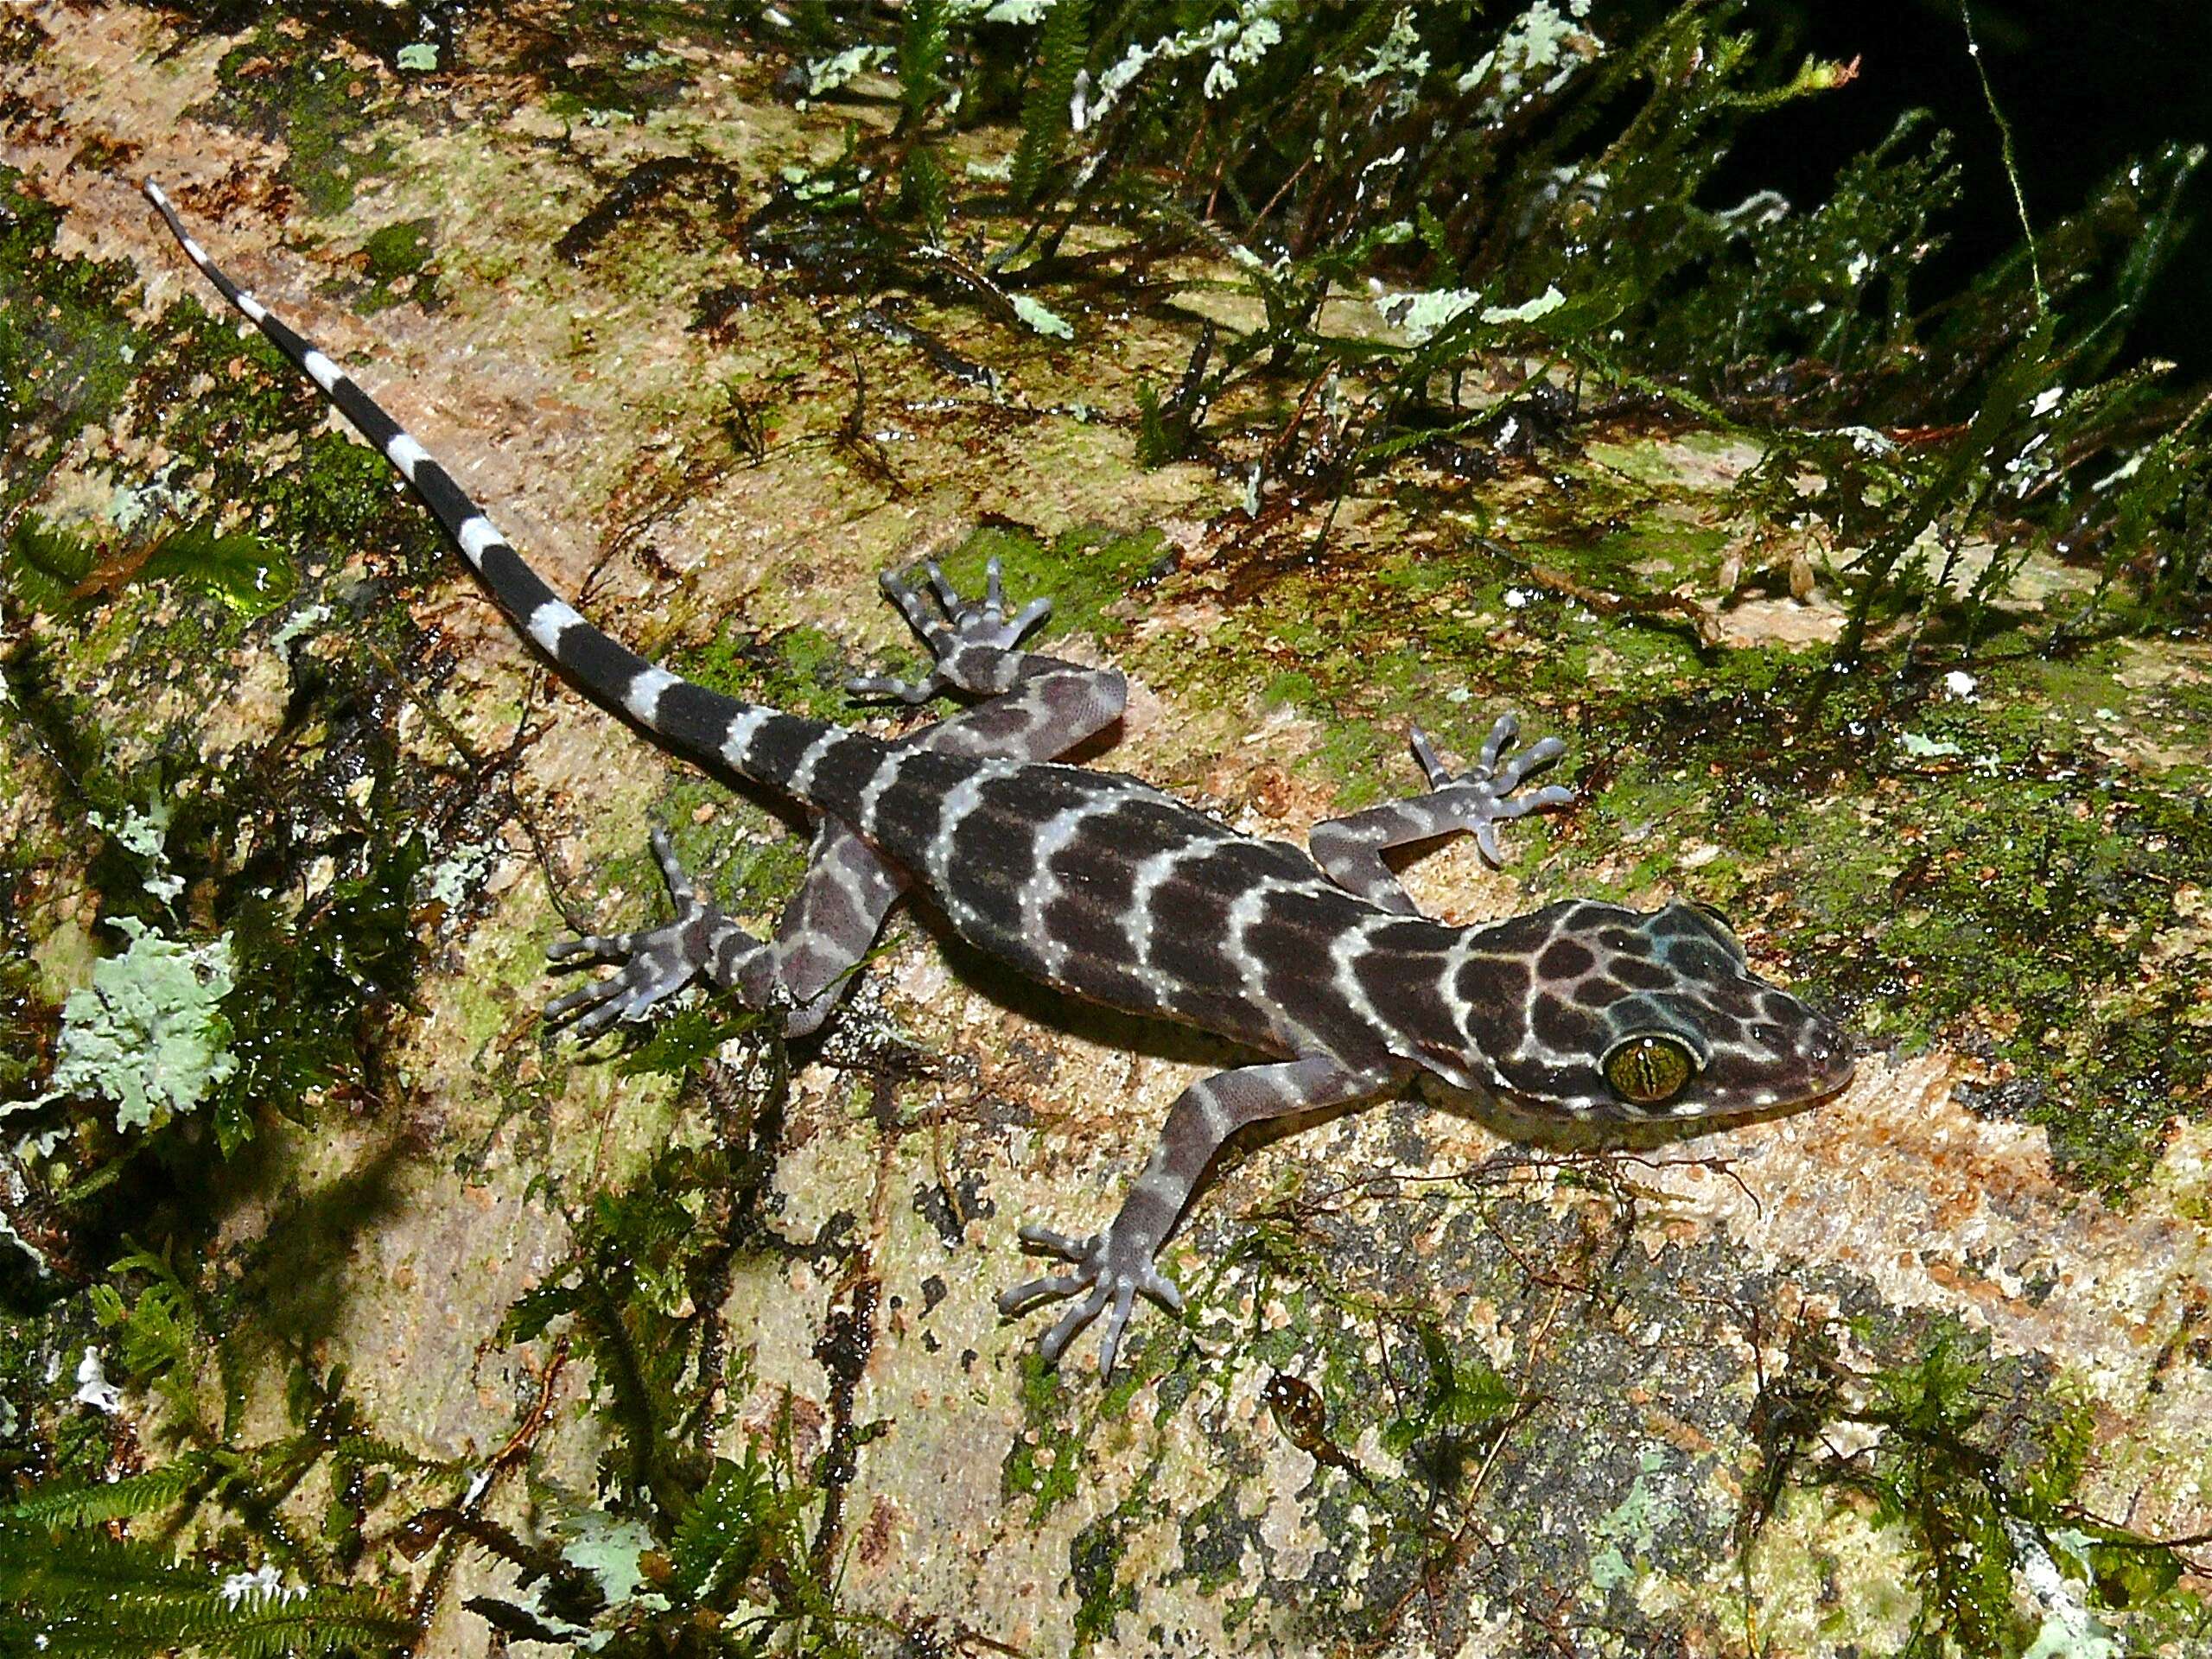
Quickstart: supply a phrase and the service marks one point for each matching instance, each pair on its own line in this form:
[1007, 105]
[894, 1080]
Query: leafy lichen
[148, 1034]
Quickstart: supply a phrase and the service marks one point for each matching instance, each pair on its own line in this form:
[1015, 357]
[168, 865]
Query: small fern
[1044, 117]
[84, 1592]
[921, 52]
[117, 1500]
[923, 192]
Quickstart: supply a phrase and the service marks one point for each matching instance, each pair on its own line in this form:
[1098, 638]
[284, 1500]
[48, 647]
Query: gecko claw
[654, 963]
[1483, 797]
[973, 641]
[1108, 1279]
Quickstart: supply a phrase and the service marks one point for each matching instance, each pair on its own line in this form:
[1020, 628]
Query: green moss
[800, 670]
[398, 258]
[399, 249]
[1977, 1490]
[1085, 572]
[1094, 1565]
[1043, 1464]
[65, 343]
[317, 101]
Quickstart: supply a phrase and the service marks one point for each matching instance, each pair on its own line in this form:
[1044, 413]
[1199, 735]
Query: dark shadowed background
[2084, 87]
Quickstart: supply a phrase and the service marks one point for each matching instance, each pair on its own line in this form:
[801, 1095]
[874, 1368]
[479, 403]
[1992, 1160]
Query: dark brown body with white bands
[1097, 883]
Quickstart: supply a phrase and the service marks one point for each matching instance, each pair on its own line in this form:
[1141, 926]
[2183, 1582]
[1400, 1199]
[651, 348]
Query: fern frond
[112, 1500]
[921, 51]
[373, 1453]
[249, 1626]
[923, 192]
[85, 1594]
[1044, 117]
[60, 1572]
[316, 1621]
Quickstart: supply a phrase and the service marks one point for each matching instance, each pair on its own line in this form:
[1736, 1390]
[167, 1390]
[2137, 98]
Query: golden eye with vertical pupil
[1649, 1070]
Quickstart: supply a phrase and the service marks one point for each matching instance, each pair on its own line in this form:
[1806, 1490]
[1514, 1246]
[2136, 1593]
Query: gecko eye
[1647, 1070]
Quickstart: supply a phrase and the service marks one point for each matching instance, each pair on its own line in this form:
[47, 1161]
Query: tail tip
[154, 192]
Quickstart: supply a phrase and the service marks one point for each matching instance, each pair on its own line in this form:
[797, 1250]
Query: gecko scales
[1099, 885]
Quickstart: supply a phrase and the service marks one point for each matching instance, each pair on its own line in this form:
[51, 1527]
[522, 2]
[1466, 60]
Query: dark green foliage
[159, 1338]
[1548, 191]
[1459, 1399]
[45, 565]
[319, 966]
[246, 572]
[636, 1252]
[92, 1565]
[744, 1516]
[49, 568]
[922, 43]
[63, 367]
[1977, 1466]
[1044, 110]
[729, 1536]
[677, 1045]
[1823, 295]
[85, 1593]
[923, 192]
[1928, 1474]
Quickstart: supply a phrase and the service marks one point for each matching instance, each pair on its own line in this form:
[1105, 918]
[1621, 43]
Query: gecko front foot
[973, 640]
[1482, 797]
[1107, 1273]
[657, 962]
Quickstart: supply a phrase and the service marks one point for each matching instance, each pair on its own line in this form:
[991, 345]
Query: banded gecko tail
[703, 726]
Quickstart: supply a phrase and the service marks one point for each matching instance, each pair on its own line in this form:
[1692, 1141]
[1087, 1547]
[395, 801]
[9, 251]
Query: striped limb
[1043, 706]
[1351, 850]
[1110, 1268]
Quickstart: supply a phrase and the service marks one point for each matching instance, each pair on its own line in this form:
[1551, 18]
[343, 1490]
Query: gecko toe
[1031, 1291]
[1060, 1244]
[592, 947]
[1125, 1296]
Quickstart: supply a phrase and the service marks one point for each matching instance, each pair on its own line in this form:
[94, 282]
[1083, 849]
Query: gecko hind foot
[1106, 1277]
[656, 962]
[973, 640]
[1483, 797]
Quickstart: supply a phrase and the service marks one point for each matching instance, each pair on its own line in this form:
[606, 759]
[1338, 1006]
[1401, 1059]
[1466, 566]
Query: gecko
[1317, 961]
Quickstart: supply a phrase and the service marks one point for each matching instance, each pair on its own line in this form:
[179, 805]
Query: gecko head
[1593, 1011]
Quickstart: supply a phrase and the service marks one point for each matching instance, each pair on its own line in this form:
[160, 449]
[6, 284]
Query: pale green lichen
[1231, 42]
[449, 882]
[148, 1033]
[145, 836]
[1628, 1530]
[607, 1548]
[1424, 315]
[1543, 305]
[828, 74]
[1540, 49]
[1041, 318]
